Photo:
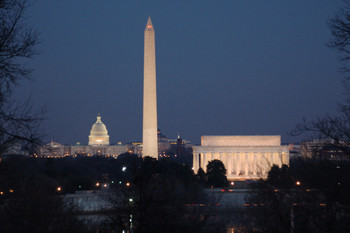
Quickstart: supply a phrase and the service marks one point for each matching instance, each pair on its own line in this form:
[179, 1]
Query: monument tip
[149, 25]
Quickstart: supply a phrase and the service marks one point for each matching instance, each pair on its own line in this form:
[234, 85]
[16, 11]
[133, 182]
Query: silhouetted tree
[201, 176]
[131, 162]
[216, 174]
[280, 177]
[17, 43]
[156, 200]
[30, 202]
[323, 207]
[334, 130]
[340, 29]
[316, 204]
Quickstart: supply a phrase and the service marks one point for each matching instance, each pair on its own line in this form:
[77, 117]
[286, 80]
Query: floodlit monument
[98, 134]
[149, 132]
[244, 157]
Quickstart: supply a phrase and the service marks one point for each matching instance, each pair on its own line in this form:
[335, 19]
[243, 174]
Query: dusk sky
[223, 67]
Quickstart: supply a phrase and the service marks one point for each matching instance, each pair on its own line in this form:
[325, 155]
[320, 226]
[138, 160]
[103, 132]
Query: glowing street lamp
[59, 189]
[298, 183]
[97, 184]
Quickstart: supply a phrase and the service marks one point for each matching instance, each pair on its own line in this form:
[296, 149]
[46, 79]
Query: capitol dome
[98, 134]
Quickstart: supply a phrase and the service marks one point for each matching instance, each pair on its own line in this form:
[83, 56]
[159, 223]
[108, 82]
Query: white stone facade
[56, 150]
[110, 150]
[98, 134]
[149, 132]
[244, 157]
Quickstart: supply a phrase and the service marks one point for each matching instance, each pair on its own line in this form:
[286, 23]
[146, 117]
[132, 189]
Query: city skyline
[224, 68]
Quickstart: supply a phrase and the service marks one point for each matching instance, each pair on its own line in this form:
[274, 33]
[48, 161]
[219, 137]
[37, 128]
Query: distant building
[53, 149]
[186, 144]
[98, 145]
[294, 151]
[325, 149]
[179, 146]
[244, 157]
[98, 134]
[163, 144]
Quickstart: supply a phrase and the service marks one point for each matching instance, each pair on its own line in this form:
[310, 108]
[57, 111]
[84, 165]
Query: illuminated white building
[98, 145]
[98, 134]
[244, 157]
[149, 127]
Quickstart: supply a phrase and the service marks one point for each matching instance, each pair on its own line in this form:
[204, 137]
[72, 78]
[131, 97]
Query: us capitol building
[98, 145]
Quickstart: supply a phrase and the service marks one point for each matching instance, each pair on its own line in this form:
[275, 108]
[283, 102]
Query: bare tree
[340, 29]
[310, 197]
[17, 43]
[334, 130]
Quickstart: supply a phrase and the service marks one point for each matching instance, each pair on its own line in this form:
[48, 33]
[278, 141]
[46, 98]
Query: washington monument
[149, 133]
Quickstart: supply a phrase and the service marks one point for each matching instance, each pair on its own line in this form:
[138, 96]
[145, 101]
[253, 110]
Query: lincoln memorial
[244, 157]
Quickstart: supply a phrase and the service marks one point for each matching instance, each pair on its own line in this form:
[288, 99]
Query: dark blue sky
[223, 67]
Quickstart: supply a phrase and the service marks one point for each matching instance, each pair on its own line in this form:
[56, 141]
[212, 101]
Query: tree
[17, 43]
[216, 174]
[201, 176]
[30, 201]
[317, 203]
[340, 29]
[333, 131]
[325, 176]
[158, 198]
[280, 177]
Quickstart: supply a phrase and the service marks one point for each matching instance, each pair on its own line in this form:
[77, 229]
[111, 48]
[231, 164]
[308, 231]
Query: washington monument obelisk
[149, 133]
